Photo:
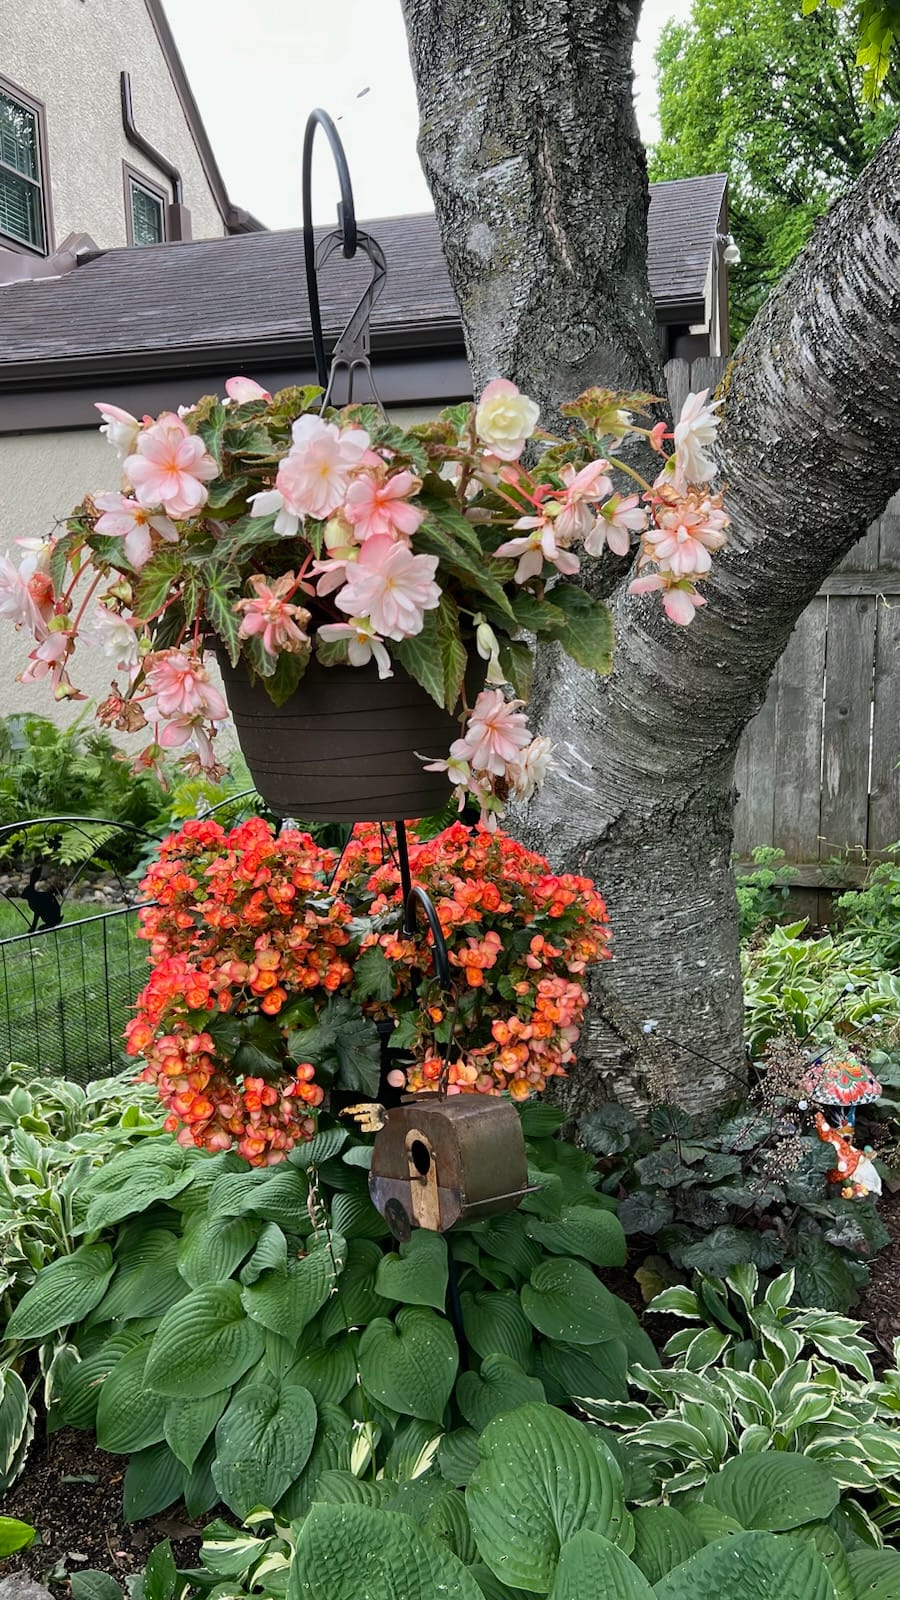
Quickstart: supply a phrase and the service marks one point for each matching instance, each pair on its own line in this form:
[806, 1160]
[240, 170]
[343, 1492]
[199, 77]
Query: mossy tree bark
[529, 144]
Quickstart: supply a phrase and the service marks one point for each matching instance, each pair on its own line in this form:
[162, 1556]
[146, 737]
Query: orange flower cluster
[520, 939]
[249, 935]
[239, 925]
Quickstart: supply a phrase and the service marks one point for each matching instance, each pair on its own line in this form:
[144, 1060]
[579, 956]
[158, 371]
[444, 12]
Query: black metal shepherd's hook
[351, 351]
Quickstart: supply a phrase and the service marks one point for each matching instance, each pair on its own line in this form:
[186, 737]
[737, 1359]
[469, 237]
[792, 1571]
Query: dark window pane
[18, 137]
[146, 217]
[20, 209]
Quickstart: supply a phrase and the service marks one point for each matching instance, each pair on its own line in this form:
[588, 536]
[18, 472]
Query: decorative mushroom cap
[840, 1078]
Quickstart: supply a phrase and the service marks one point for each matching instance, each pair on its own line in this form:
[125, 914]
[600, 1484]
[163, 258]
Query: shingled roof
[156, 308]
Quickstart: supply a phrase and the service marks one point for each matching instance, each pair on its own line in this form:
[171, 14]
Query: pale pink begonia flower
[49, 660]
[695, 433]
[496, 734]
[505, 419]
[619, 518]
[577, 517]
[120, 427]
[126, 519]
[186, 728]
[364, 643]
[170, 467]
[686, 531]
[390, 586]
[270, 615]
[680, 599]
[115, 637]
[376, 505]
[240, 390]
[269, 502]
[314, 476]
[331, 574]
[181, 686]
[529, 772]
[536, 547]
[26, 594]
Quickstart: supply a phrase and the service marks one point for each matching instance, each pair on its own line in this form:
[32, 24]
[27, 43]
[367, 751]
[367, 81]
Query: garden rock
[19, 1586]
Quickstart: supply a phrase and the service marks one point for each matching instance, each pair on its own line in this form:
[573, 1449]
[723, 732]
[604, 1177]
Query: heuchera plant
[273, 963]
[260, 528]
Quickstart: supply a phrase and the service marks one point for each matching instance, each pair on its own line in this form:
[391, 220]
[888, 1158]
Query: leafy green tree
[773, 98]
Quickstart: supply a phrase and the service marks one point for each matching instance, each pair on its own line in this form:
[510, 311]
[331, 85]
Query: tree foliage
[774, 99]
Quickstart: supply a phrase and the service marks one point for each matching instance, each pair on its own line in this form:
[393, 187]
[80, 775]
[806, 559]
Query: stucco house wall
[69, 54]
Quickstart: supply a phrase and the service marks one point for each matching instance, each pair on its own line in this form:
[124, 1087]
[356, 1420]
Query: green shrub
[872, 913]
[804, 988]
[763, 893]
[239, 1331]
[743, 1186]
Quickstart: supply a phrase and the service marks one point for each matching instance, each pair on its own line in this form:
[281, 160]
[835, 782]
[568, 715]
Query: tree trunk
[529, 144]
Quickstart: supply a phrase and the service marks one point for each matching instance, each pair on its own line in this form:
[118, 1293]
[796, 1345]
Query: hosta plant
[757, 1379]
[545, 1512]
[238, 1332]
[267, 530]
[275, 962]
[53, 1134]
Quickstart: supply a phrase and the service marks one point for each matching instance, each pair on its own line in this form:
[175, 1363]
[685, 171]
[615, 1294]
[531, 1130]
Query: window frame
[29, 102]
[131, 175]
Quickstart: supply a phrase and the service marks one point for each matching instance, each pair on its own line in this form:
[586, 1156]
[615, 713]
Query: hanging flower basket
[343, 747]
[311, 551]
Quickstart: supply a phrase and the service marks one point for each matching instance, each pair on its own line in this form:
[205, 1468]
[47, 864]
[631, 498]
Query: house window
[145, 210]
[22, 213]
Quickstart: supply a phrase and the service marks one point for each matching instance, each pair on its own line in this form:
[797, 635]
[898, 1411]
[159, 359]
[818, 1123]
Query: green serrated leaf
[587, 633]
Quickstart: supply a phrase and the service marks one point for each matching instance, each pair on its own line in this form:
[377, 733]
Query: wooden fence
[817, 770]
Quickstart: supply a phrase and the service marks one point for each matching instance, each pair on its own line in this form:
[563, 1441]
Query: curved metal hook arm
[346, 223]
[419, 897]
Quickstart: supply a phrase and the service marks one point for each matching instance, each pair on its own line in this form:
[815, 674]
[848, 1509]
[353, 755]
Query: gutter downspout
[179, 218]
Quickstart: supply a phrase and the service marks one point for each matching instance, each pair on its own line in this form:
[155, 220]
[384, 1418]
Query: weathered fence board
[817, 770]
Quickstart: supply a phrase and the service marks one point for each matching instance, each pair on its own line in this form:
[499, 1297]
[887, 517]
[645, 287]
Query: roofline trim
[235, 218]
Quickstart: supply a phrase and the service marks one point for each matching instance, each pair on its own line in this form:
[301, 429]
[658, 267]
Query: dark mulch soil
[72, 1493]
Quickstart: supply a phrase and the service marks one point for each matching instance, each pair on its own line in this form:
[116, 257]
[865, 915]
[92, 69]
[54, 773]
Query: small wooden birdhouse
[437, 1162]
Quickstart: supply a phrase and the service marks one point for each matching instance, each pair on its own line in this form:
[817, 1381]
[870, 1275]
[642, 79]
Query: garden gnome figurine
[840, 1081]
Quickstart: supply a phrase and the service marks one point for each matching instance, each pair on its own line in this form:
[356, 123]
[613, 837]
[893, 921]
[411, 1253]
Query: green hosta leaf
[133, 1181]
[495, 1323]
[263, 1442]
[147, 1281]
[506, 1239]
[566, 1301]
[410, 1365]
[14, 1418]
[282, 1199]
[662, 1540]
[64, 1292]
[334, 1442]
[457, 1456]
[538, 1482]
[584, 1231]
[418, 1275]
[828, 1547]
[94, 1585]
[708, 1522]
[204, 1343]
[875, 1574]
[200, 1493]
[270, 1253]
[340, 1543]
[574, 1372]
[357, 1301]
[587, 634]
[80, 1388]
[153, 1481]
[540, 1121]
[14, 1535]
[286, 1301]
[750, 1566]
[775, 1490]
[129, 1415]
[590, 1566]
[327, 1371]
[500, 1386]
[189, 1423]
[491, 1587]
[211, 1249]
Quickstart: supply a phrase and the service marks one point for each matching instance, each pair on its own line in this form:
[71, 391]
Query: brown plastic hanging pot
[343, 747]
